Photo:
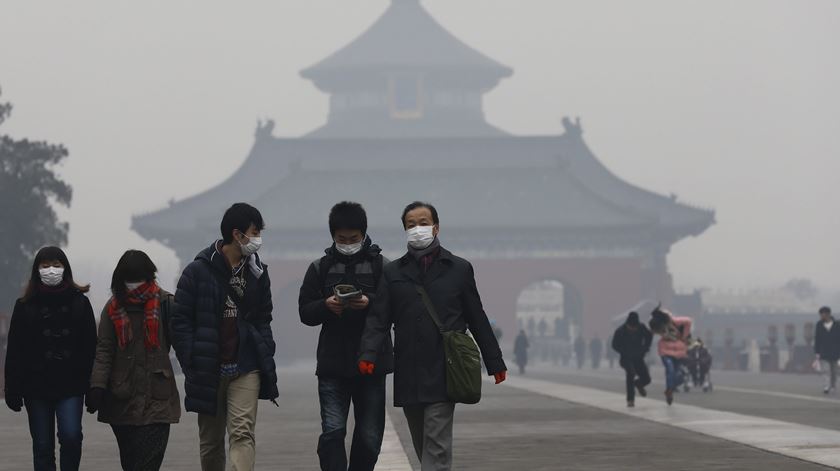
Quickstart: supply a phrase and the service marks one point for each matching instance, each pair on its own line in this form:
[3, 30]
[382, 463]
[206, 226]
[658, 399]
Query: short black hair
[348, 215]
[825, 310]
[421, 204]
[240, 216]
[134, 265]
[633, 319]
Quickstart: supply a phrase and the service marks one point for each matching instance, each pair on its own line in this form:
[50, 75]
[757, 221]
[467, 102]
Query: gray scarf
[420, 253]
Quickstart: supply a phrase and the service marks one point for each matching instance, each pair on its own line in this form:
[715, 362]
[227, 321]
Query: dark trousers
[636, 373]
[141, 446]
[368, 397]
[43, 417]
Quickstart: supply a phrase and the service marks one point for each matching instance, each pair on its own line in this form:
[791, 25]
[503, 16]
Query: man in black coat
[420, 371]
[632, 342]
[827, 347]
[352, 260]
[222, 335]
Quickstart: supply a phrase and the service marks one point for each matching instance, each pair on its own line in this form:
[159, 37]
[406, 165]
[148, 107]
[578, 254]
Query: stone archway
[550, 308]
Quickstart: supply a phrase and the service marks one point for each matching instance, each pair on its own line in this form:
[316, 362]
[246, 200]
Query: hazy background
[731, 105]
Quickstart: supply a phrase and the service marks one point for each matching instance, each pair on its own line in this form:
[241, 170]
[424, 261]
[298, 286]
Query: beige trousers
[236, 414]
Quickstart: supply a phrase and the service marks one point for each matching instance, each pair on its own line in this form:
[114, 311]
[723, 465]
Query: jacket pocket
[161, 385]
[120, 386]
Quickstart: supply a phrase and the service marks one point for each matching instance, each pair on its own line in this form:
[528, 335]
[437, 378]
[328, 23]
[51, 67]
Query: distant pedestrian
[632, 341]
[610, 353]
[827, 347]
[49, 357]
[580, 351]
[133, 385]
[674, 333]
[520, 351]
[595, 350]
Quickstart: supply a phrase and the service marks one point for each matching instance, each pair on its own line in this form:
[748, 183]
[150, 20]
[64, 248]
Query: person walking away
[699, 361]
[610, 353]
[520, 351]
[827, 348]
[49, 357]
[632, 341]
[352, 260]
[426, 292]
[580, 351]
[595, 347]
[674, 333]
[221, 333]
[133, 385]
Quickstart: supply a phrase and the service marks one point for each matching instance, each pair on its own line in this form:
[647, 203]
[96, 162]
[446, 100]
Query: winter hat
[633, 319]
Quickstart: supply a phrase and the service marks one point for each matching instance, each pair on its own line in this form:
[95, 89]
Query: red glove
[500, 376]
[366, 367]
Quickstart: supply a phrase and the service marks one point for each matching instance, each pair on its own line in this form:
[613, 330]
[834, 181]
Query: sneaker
[669, 396]
[631, 404]
[641, 390]
[827, 390]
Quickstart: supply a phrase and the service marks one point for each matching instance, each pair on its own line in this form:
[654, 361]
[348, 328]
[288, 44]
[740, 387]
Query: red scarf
[147, 294]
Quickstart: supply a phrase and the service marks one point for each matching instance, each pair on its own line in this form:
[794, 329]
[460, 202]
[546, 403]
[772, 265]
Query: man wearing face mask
[352, 260]
[222, 335]
[448, 282]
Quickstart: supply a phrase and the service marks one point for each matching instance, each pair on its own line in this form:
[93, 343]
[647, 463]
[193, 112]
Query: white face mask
[349, 249]
[253, 245]
[51, 276]
[420, 237]
[133, 286]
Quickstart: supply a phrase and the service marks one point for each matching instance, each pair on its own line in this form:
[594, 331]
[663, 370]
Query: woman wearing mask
[132, 385]
[51, 345]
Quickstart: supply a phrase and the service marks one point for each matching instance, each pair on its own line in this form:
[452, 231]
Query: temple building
[406, 122]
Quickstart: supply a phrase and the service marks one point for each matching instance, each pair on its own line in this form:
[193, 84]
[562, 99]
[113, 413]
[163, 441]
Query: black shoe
[631, 404]
[669, 396]
[641, 390]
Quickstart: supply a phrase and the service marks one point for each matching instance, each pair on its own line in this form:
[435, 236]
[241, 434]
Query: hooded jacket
[200, 301]
[338, 343]
[674, 342]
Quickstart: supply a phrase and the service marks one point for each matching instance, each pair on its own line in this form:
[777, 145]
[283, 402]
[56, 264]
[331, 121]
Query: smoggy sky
[730, 105]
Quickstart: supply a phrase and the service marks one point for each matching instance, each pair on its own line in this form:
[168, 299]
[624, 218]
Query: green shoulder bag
[463, 360]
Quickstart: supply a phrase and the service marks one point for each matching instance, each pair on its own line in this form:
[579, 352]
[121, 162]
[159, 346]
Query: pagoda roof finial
[406, 35]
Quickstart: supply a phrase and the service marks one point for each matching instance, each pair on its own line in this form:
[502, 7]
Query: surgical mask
[349, 249]
[51, 276]
[253, 245]
[133, 286]
[420, 237]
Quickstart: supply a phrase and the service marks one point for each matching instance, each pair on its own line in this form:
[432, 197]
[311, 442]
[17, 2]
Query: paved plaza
[552, 419]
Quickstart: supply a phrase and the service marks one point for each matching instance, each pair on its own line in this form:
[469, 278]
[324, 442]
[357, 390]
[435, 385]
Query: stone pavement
[512, 429]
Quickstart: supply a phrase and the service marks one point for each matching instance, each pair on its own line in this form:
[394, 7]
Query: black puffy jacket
[200, 300]
[340, 337]
[51, 347]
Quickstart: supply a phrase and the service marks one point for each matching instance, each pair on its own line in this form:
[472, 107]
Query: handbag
[462, 358]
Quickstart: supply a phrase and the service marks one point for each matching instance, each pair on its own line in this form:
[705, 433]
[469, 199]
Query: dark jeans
[141, 446]
[368, 397]
[636, 373]
[42, 421]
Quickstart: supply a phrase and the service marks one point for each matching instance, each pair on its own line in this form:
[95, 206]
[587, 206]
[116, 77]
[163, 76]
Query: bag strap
[430, 308]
